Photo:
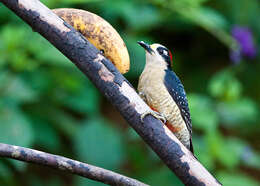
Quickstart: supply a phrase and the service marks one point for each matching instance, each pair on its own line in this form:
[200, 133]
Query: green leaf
[140, 157]
[232, 158]
[45, 135]
[211, 18]
[202, 152]
[203, 114]
[132, 135]
[18, 90]
[162, 176]
[242, 111]
[187, 4]
[225, 150]
[150, 16]
[10, 34]
[130, 12]
[19, 165]
[80, 1]
[15, 128]
[83, 182]
[204, 16]
[4, 14]
[48, 54]
[5, 171]
[224, 85]
[18, 54]
[250, 157]
[40, 81]
[99, 144]
[66, 124]
[5, 78]
[238, 179]
[84, 100]
[54, 180]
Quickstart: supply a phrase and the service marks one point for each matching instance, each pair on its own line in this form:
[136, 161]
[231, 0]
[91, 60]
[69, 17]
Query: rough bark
[65, 164]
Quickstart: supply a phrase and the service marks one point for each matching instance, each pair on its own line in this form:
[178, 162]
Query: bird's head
[157, 54]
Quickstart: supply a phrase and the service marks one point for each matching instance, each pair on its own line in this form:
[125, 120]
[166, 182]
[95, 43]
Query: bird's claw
[154, 114]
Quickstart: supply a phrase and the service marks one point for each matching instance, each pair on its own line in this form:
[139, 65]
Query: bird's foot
[154, 114]
[142, 95]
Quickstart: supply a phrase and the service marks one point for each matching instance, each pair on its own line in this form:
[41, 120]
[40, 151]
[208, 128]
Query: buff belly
[158, 97]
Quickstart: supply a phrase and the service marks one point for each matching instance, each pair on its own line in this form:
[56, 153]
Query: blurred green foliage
[47, 104]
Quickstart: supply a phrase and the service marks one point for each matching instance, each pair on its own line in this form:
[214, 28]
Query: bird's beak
[145, 46]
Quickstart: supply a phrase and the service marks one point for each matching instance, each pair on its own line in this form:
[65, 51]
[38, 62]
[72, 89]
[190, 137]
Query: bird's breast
[151, 84]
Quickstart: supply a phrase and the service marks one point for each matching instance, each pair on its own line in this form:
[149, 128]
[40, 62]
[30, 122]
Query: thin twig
[115, 88]
[66, 164]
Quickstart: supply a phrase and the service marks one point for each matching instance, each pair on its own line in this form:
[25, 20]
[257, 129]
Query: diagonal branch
[115, 87]
[65, 164]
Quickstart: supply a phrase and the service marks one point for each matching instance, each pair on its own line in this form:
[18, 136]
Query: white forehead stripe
[156, 45]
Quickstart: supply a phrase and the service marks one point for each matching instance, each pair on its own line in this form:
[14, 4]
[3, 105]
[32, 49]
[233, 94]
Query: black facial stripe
[165, 55]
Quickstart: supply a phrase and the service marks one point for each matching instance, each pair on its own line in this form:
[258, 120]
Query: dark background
[46, 103]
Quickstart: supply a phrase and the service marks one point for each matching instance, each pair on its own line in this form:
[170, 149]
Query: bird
[163, 91]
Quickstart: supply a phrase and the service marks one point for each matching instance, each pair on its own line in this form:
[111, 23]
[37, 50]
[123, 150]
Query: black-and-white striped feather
[177, 92]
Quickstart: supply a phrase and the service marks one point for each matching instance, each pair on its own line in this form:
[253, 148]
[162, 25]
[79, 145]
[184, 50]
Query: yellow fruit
[100, 33]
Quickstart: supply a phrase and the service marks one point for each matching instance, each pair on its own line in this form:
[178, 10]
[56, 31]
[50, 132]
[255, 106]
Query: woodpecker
[163, 91]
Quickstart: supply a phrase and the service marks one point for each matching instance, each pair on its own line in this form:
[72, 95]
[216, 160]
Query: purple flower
[244, 37]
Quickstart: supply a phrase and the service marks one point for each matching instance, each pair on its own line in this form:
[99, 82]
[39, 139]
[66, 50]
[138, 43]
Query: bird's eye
[102, 51]
[160, 52]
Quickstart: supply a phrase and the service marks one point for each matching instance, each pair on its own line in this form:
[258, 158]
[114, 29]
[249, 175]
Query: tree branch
[115, 88]
[65, 164]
